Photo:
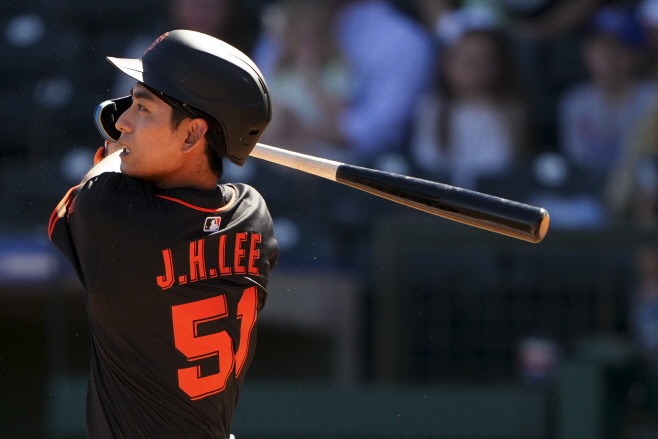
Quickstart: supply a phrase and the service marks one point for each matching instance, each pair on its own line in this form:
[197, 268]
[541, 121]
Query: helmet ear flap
[107, 114]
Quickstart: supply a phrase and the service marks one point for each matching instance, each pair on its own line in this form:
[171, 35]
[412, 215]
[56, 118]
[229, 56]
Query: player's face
[151, 147]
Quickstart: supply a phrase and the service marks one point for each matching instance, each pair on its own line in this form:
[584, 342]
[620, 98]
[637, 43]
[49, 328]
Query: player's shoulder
[113, 190]
[248, 201]
[114, 181]
[247, 211]
[244, 190]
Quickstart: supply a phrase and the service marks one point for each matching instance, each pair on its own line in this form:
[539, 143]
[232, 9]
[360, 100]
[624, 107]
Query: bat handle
[303, 162]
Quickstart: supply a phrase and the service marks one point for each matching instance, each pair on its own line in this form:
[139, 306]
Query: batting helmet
[209, 75]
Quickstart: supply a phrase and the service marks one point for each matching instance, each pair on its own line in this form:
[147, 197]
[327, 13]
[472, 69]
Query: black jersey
[174, 281]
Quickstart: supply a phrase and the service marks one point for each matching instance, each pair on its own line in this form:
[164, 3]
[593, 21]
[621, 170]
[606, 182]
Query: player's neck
[195, 174]
[207, 182]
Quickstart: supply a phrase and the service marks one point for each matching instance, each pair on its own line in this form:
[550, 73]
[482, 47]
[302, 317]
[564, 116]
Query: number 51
[186, 319]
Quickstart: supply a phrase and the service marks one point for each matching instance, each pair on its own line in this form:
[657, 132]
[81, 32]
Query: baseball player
[175, 266]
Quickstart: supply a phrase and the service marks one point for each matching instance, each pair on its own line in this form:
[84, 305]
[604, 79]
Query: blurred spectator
[644, 309]
[549, 19]
[538, 360]
[648, 16]
[546, 36]
[448, 22]
[389, 57]
[431, 11]
[632, 190]
[474, 123]
[597, 117]
[227, 20]
[309, 84]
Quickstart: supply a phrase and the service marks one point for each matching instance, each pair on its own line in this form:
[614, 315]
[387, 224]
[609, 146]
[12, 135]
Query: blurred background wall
[381, 321]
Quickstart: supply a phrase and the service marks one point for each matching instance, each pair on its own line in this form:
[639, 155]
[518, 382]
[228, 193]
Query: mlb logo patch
[212, 224]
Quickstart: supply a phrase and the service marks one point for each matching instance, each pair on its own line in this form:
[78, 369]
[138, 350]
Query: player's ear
[196, 132]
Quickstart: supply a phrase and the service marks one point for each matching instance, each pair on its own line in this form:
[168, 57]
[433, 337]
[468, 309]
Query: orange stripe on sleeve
[60, 210]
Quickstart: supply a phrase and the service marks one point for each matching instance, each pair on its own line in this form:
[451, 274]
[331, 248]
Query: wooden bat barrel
[473, 208]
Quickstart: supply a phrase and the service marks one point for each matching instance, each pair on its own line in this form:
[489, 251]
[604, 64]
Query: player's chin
[130, 170]
[127, 168]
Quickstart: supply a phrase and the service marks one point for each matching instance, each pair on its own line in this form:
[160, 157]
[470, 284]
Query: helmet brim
[130, 66]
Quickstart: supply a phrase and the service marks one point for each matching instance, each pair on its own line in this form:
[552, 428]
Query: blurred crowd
[550, 102]
[463, 92]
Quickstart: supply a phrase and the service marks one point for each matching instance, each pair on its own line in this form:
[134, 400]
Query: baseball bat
[476, 209]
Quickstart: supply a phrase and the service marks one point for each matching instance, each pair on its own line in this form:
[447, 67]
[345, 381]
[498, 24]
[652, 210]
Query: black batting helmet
[209, 75]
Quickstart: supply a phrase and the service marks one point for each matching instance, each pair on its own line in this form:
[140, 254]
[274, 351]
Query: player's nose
[123, 123]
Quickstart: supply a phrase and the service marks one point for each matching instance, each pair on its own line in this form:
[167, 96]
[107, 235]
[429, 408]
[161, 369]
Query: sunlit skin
[153, 151]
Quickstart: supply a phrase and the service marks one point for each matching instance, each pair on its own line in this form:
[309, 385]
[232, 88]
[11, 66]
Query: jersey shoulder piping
[60, 210]
[203, 209]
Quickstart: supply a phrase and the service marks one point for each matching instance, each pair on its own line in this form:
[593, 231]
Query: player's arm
[58, 227]
[107, 160]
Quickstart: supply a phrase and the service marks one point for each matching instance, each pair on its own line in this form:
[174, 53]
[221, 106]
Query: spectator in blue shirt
[390, 58]
[598, 117]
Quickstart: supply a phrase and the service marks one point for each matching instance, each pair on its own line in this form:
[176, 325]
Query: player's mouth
[124, 151]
